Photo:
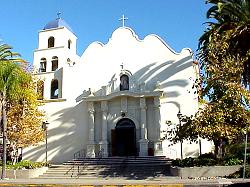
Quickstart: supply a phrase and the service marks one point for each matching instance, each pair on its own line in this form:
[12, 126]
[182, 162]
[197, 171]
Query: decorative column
[104, 142]
[91, 143]
[158, 143]
[124, 105]
[144, 137]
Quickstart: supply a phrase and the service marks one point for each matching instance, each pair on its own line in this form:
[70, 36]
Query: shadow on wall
[69, 132]
[164, 71]
[65, 140]
[151, 75]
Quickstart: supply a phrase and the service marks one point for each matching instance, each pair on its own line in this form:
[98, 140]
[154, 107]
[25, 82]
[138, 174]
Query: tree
[15, 90]
[224, 52]
[6, 54]
[230, 17]
[10, 81]
[25, 119]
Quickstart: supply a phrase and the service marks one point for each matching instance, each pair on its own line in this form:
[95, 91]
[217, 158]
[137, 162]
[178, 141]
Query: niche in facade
[124, 82]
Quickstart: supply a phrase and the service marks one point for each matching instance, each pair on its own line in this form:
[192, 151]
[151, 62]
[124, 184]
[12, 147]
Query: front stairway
[123, 167]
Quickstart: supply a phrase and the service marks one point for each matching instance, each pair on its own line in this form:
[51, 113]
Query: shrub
[232, 160]
[25, 164]
[237, 150]
[207, 160]
[207, 155]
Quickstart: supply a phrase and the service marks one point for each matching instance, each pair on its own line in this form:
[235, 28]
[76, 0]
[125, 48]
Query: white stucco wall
[153, 66]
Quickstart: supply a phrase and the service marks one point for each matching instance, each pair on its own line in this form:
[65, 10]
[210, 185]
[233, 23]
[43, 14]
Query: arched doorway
[124, 138]
[54, 89]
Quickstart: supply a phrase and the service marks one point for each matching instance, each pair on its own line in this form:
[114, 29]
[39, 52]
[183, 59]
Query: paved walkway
[111, 182]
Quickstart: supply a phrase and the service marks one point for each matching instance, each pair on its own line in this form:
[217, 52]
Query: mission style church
[115, 99]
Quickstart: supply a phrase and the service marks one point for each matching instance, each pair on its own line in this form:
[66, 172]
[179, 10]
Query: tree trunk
[219, 148]
[4, 122]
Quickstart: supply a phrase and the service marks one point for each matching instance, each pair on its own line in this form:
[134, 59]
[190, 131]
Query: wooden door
[113, 142]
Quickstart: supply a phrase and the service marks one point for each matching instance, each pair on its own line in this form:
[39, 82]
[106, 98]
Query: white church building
[114, 99]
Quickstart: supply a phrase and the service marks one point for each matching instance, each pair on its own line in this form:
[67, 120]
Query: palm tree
[232, 20]
[7, 54]
[224, 54]
[12, 77]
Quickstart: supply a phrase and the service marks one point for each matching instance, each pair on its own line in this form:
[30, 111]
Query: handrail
[79, 171]
[79, 154]
[100, 153]
[73, 170]
[69, 171]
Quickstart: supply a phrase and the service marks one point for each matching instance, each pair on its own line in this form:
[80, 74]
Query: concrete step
[129, 167]
[111, 162]
[120, 160]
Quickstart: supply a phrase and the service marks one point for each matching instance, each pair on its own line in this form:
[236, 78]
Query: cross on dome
[58, 15]
[123, 18]
[58, 22]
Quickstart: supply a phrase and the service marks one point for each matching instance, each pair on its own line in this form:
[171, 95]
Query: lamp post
[45, 128]
[200, 147]
[245, 155]
[179, 115]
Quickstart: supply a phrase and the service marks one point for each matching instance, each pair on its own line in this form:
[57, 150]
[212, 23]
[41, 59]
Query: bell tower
[56, 50]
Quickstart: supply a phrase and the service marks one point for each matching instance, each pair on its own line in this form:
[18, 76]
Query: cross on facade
[123, 18]
[121, 66]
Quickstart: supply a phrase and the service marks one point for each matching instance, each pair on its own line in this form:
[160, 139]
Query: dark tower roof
[59, 22]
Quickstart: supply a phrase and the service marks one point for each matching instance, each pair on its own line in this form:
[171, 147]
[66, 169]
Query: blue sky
[178, 22]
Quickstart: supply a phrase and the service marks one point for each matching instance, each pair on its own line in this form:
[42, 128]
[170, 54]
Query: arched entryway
[124, 138]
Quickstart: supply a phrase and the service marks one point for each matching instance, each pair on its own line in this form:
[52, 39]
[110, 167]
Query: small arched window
[40, 89]
[54, 89]
[43, 64]
[69, 44]
[124, 82]
[54, 63]
[51, 42]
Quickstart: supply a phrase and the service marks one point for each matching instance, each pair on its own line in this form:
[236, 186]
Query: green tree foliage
[229, 17]
[17, 101]
[24, 117]
[224, 60]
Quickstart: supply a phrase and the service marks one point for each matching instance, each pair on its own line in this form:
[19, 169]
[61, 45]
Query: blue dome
[56, 24]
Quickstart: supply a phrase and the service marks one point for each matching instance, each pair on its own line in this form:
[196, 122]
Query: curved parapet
[124, 46]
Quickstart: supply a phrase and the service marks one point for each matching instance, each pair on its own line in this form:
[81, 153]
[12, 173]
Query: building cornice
[51, 48]
[123, 94]
[52, 100]
[44, 73]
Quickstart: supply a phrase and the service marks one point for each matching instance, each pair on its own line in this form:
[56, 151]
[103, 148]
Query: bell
[42, 67]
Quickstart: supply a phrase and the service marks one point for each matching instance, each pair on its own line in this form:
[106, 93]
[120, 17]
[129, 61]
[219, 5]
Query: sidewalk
[171, 181]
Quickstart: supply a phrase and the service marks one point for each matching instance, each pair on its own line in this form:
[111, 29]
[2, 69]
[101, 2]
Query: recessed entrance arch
[124, 138]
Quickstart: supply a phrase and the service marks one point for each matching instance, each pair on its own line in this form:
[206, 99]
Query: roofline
[144, 39]
[57, 28]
